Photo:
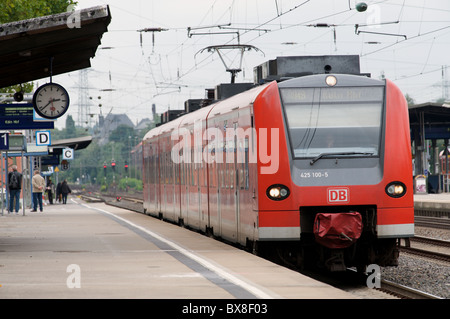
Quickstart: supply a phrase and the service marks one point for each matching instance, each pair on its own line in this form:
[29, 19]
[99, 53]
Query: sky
[405, 41]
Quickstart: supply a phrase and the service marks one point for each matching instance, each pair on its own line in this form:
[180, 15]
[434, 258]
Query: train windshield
[342, 120]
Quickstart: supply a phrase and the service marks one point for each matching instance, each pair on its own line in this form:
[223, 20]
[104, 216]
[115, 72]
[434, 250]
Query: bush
[132, 184]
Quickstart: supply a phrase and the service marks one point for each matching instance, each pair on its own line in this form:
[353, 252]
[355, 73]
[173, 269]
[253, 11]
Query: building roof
[110, 123]
[28, 46]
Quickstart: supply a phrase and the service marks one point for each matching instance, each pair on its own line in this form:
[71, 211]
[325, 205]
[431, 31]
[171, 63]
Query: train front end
[343, 188]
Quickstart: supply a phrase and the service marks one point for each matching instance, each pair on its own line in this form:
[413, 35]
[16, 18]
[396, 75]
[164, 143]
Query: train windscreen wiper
[318, 157]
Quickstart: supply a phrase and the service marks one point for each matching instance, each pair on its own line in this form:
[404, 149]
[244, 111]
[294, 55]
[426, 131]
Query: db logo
[338, 195]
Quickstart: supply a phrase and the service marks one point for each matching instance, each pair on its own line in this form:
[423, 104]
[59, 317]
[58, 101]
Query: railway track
[404, 292]
[433, 222]
[427, 253]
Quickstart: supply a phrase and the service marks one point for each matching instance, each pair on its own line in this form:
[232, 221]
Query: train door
[177, 192]
[167, 182]
[194, 209]
[199, 184]
[235, 182]
[204, 200]
[184, 203]
[160, 177]
[229, 194]
[186, 167]
[152, 178]
[214, 151]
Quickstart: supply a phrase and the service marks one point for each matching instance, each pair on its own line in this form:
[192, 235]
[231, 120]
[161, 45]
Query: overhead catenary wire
[181, 68]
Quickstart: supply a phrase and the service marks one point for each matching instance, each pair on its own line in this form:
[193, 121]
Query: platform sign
[65, 165]
[50, 160]
[67, 154]
[4, 141]
[37, 150]
[20, 117]
[43, 138]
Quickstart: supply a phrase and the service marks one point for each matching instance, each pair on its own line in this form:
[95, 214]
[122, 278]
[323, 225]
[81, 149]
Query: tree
[122, 134]
[70, 127]
[16, 10]
[409, 99]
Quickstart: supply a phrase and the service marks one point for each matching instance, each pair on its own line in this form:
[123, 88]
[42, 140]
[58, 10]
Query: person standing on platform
[65, 190]
[58, 192]
[38, 183]
[50, 190]
[14, 187]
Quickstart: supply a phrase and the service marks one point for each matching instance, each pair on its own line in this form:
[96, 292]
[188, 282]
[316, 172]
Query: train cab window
[338, 120]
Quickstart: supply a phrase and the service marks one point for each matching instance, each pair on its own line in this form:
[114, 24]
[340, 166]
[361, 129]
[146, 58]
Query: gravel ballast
[420, 273]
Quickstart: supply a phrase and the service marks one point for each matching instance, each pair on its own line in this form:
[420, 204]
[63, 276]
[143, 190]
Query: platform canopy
[428, 121]
[63, 42]
[432, 118]
[77, 143]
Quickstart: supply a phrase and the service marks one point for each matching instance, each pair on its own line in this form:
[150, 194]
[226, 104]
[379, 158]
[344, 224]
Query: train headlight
[331, 80]
[277, 192]
[396, 189]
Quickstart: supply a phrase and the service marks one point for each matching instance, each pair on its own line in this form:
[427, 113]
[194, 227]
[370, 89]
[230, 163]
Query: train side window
[188, 173]
[172, 169]
[191, 171]
[182, 173]
[246, 170]
[225, 164]
[161, 167]
[167, 169]
[148, 176]
[164, 173]
[156, 169]
[177, 173]
[241, 164]
[220, 167]
[173, 172]
[210, 167]
[232, 178]
[153, 168]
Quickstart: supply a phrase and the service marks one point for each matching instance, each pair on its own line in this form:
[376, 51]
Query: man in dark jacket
[65, 190]
[14, 187]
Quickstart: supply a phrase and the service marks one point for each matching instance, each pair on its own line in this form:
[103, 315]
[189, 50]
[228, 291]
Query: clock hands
[51, 101]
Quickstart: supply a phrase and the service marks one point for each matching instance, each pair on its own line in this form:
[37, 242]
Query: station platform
[432, 201]
[91, 250]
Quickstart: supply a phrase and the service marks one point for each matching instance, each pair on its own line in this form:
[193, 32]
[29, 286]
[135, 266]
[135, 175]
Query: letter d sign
[42, 138]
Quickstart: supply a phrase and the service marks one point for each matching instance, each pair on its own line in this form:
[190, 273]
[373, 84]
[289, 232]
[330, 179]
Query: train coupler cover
[337, 230]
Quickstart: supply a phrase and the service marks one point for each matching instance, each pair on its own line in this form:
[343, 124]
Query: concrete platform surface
[432, 201]
[82, 250]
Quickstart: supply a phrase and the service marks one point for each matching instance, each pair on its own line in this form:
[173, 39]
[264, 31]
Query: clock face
[51, 101]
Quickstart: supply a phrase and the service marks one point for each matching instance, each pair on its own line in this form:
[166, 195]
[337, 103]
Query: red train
[316, 169]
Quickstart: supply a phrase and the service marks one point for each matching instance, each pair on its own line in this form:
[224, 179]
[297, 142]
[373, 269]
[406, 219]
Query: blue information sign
[20, 117]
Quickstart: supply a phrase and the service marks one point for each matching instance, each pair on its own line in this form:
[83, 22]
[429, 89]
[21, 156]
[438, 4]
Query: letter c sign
[67, 153]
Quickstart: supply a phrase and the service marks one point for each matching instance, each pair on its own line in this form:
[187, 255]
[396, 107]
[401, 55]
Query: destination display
[335, 94]
[20, 117]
